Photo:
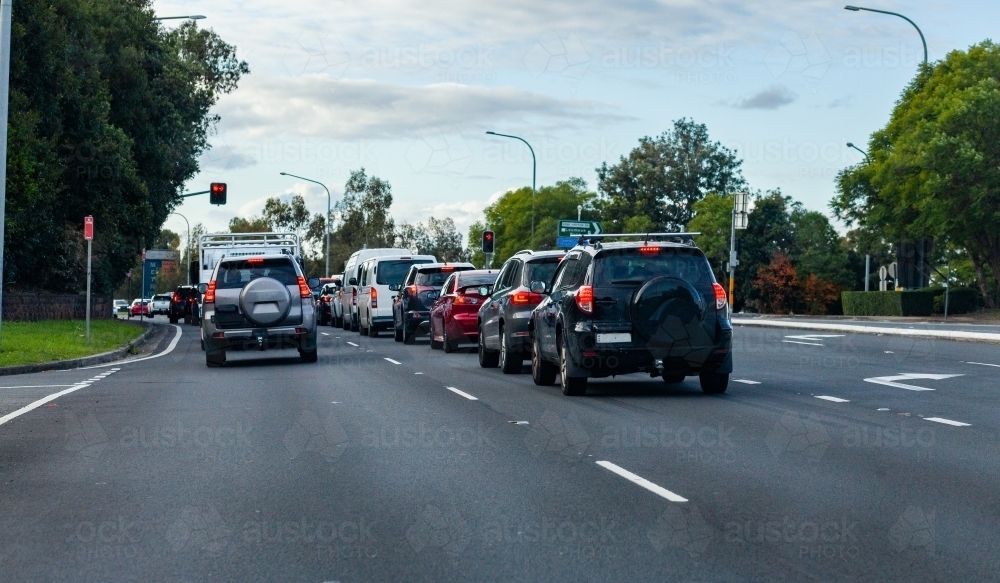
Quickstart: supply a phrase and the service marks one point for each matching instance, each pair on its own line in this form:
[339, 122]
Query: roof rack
[684, 238]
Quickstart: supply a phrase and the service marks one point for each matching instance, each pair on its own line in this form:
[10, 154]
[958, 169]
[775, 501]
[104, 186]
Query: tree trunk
[977, 264]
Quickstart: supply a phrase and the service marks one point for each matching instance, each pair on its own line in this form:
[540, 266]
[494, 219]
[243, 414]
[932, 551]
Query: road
[386, 462]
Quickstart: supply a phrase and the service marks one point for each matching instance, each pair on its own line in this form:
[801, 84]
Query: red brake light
[374, 297]
[649, 250]
[525, 298]
[720, 296]
[412, 290]
[255, 261]
[354, 296]
[447, 268]
[210, 293]
[585, 299]
[304, 290]
[177, 297]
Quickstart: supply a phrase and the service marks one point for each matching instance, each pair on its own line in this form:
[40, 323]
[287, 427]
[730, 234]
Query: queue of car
[600, 309]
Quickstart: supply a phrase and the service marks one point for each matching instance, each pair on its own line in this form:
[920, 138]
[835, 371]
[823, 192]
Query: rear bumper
[416, 322]
[300, 337]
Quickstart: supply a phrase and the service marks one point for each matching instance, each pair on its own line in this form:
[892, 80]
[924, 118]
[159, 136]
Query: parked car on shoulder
[381, 279]
[258, 303]
[454, 314]
[618, 308]
[184, 304]
[411, 307]
[352, 269]
[503, 318]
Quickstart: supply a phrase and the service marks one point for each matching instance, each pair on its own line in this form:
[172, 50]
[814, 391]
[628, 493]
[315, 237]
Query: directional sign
[571, 228]
[891, 381]
[740, 220]
[88, 228]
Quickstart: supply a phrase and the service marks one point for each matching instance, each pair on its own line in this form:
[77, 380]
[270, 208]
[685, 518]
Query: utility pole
[739, 222]
[6, 7]
[868, 269]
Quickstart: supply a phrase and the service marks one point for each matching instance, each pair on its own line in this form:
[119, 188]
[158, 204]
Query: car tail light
[720, 296]
[177, 298]
[585, 299]
[374, 298]
[466, 300]
[525, 298]
[255, 261]
[325, 299]
[210, 293]
[447, 268]
[354, 297]
[649, 250]
[304, 290]
[412, 290]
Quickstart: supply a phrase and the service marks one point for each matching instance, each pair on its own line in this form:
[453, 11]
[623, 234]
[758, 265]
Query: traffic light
[217, 193]
[488, 242]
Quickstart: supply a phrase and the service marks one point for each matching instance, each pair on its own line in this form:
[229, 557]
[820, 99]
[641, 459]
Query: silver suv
[257, 303]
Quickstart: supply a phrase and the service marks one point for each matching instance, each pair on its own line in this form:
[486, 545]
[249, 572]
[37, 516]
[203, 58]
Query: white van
[381, 278]
[351, 272]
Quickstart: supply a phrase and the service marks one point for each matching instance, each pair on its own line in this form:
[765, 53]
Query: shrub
[888, 303]
[778, 285]
[961, 300]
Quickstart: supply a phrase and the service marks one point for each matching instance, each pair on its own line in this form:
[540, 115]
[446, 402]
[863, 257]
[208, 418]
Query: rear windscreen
[390, 272]
[477, 280]
[436, 276]
[542, 270]
[631, 266]
[237, 273]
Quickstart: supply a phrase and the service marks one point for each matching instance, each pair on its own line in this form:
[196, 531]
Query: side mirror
[395, 286]
[352, 281]
[202, 288]
[484, 291]
[538, 287]
[313, 282]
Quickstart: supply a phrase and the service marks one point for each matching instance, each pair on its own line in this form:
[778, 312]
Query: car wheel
[509, 363]
[355, 326]
[435, 345]
[173, 320]
[671, 377]
[397, 333]
[714, 383]
[215, 359]
[542, 372]
[408, 337]
[571, 386]
[487, 359]
[446, 343]
[372, 329]
[309, 356]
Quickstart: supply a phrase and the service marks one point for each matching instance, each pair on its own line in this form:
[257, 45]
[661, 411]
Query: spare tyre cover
[265, 301]
[667, 312]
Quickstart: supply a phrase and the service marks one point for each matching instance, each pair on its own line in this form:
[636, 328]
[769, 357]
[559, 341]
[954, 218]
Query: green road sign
[571, 228]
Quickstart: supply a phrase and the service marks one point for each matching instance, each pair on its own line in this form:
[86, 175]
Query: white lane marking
[816, 338]
[640, 481]
[891, 380]
[36, 386]
[351, 343]
[458, 392]
[51, 397]
[946, 421]
[393, 361]
[984, 364]
[170, 348]
[833, 399]
[324, 333]
[746, 381]
[806, 343]
[418, 373]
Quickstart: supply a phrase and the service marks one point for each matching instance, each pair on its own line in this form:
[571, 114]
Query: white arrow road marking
[891, 381]
[946, 421]
[814, 337]
[643, 482]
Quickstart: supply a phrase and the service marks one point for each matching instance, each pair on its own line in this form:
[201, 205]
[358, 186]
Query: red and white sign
[144, 255]
[88, 228]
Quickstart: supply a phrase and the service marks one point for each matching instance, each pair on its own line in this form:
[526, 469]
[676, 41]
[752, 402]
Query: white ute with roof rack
[212, 248]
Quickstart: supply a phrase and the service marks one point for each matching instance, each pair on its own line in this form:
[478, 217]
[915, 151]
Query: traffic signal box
[217, 193]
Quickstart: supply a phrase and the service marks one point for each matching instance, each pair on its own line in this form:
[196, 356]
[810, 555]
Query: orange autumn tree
[777, 285]
[818, 293]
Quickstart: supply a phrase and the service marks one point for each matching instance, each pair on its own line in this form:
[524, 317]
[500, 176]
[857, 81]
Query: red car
[454, 315]
[138, 308]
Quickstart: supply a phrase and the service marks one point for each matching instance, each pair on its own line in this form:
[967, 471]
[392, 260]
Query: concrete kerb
[101, 358]
[882, 330]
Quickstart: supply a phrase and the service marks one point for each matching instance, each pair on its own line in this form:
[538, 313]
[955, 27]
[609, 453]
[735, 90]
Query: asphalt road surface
[830, 458]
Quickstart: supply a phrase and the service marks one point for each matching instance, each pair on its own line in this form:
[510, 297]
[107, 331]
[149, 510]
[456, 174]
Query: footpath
[913, 327]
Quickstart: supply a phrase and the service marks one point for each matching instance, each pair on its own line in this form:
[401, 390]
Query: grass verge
[50, 340]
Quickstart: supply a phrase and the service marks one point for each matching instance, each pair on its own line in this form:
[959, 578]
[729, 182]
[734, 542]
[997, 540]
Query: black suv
[620, 308]
[184, 304]
[411, 308]
[503, 320]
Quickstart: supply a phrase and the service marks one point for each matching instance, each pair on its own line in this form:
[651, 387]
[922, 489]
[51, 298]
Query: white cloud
[771, 98]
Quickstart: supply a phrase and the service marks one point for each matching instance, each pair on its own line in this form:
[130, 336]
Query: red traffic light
[488, 242]
[217, 193]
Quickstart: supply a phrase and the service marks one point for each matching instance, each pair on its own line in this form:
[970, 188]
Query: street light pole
[327, 251]
[188, 251]
[867, 157]
[534, 170]
[189, 17]
[6, 7]
[922, 40]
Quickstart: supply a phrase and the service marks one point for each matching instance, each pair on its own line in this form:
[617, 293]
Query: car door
[491, 312]
[364, 290]
[439, 310]
[506, 309]
[547, 313]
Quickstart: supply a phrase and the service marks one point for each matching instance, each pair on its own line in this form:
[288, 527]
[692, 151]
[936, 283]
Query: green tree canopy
[663, 178]
[933, 170]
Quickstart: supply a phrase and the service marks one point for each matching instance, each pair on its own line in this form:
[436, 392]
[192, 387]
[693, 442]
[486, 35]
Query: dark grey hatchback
[621, 308]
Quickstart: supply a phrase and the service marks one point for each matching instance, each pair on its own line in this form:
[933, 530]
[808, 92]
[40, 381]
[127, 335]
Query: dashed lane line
[462, 393]
[393, 361]
[946, 421]
[832, 399]
[351, 343]
[984, 364]
[643, 482]
[746, 381]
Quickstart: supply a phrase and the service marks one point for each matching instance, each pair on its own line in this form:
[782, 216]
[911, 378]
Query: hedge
[888, 303]
[961, 300]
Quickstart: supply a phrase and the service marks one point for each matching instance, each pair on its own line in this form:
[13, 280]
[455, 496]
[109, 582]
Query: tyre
[510, 363]
[397, 333]
[714, 383]
[408, 337]
[173, 320]
[187, 319]
[672, 377]
[345, 323]
[309, 356]
[215, 359]
[435, 345]
[571, 386]
[487, 358]
[372, 328]
[355, 326]
[542, 372]
[446, 343]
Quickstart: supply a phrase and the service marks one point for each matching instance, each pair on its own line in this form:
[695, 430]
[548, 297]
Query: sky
[408, 90]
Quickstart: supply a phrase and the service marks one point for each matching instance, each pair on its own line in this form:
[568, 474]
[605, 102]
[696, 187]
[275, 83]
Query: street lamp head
[492, 133]
[196, 17]
[283, 173]
[852, 8]
[850, 145]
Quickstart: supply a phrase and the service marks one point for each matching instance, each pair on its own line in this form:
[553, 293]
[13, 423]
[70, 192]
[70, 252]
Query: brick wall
[29, 307]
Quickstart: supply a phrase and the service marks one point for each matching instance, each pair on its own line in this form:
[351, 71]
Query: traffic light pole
[5, 17]
[195, 193]
[732, 257]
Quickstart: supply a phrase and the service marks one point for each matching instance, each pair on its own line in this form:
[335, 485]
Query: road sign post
[569, 231]
[88, 234]
[740, 219]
